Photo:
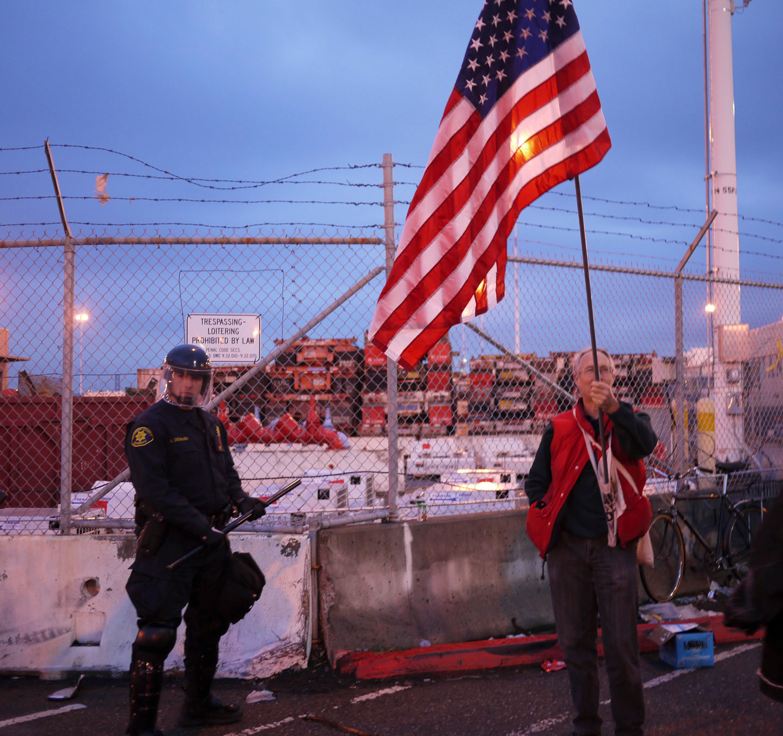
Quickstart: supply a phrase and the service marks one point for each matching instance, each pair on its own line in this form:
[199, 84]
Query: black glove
[213, 537]
[254, 505]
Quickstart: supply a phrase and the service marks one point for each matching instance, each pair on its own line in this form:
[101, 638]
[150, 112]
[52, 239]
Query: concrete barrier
[63, 607]
[392, 586]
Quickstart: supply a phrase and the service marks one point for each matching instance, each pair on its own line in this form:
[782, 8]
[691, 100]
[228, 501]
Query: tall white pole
[724, 241]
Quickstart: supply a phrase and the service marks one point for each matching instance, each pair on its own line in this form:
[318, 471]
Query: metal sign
[227, 338]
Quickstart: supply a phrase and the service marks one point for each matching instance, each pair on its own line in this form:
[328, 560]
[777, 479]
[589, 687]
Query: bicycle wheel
[662, 580]
[740, 533]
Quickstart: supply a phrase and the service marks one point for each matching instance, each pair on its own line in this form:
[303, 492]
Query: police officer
[186, 489]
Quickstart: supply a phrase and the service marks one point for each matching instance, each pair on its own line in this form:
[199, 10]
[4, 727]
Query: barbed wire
[24, 172]
[608, 254]
[214, 226]
[6, 149]
[606, 200]
[209, 183]
[292, 178]
[663, 223]
[648, 238]
[191, 200]
[295, 178]
[355, 203]
[359, 185]
[334, 225]
[650, 205]
[154, 177]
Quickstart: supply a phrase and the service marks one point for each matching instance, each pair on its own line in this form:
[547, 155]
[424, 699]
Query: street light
[81, 318]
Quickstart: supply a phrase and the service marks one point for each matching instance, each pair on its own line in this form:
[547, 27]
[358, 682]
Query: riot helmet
[186, 377]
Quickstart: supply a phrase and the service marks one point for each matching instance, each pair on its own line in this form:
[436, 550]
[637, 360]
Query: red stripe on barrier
[494, 653]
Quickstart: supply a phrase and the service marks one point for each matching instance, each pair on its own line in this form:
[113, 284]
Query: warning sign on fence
[227, 338]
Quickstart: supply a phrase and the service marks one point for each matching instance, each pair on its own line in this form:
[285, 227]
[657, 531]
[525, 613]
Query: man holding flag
[523, 117]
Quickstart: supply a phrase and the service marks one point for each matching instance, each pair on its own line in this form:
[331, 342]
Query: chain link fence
[306, 397]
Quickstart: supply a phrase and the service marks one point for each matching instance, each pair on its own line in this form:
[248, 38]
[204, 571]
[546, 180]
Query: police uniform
[186, 486]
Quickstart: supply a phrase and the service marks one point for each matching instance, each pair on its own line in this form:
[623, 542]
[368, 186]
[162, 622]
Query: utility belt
[154, 529]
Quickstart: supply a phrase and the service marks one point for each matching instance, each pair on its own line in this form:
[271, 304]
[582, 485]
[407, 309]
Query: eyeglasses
[604, 370]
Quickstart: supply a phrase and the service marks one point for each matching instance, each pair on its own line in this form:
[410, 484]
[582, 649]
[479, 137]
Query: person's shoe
[211, 712]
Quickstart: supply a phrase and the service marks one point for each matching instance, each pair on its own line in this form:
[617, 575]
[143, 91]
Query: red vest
[568, 459]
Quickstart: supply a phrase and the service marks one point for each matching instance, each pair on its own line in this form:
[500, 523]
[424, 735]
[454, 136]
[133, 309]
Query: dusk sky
[259, 90]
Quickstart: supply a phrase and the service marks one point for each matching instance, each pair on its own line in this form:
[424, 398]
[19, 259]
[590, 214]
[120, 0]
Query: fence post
[392, 426]
[681, 455]
[66, 411]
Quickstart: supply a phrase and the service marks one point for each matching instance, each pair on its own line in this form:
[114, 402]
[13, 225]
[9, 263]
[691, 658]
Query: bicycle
[725, 559]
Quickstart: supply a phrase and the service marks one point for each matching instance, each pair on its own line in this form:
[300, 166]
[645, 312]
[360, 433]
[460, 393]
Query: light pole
[81, 318]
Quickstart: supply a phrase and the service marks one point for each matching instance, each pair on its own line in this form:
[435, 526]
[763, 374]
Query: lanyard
[613, 501]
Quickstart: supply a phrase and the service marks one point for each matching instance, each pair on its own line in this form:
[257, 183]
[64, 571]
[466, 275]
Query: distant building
[6, 359]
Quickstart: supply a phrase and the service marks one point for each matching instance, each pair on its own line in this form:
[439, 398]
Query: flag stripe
[458, 126]
[409, 350]
[531, 113]
[470, 223]
[451, 142]
[458, 285]
[485, 224]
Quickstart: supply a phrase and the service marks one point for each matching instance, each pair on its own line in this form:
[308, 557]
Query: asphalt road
[722, 700]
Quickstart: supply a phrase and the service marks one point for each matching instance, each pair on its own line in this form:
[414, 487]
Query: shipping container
[374, 357]
[438, 380]
[316, 379]
[439, 414]
[439, 354]
[481, 385]
[30, 436]
[373, 415]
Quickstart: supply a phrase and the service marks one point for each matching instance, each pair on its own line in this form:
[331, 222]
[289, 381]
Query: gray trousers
[588, 579]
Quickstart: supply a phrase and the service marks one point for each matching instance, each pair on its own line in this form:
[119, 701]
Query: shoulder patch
[142, 436]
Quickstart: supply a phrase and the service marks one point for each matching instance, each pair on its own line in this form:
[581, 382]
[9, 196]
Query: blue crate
[689, 649]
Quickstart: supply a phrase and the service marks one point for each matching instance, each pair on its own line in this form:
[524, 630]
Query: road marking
[41, 714]
[263, 727]
[547, 723]
[541, 726]
[276, 724]
[380, 693]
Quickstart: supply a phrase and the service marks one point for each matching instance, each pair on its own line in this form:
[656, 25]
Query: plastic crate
[689, 649]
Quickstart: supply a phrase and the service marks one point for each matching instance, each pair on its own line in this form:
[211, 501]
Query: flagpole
[588, 292]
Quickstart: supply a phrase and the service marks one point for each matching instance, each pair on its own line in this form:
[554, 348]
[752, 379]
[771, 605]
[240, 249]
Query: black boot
[146, 680]
[209, 712]
[201, 708]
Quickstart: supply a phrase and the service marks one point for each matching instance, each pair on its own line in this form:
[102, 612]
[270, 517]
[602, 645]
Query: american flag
[523, 117]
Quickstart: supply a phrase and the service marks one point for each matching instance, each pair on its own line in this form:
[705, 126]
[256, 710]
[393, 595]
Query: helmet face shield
[185, 387]
[186, 377]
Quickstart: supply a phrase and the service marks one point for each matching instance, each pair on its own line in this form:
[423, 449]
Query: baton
[287, 488]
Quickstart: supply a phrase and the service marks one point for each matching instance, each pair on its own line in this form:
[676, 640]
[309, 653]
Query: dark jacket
[181, 468]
